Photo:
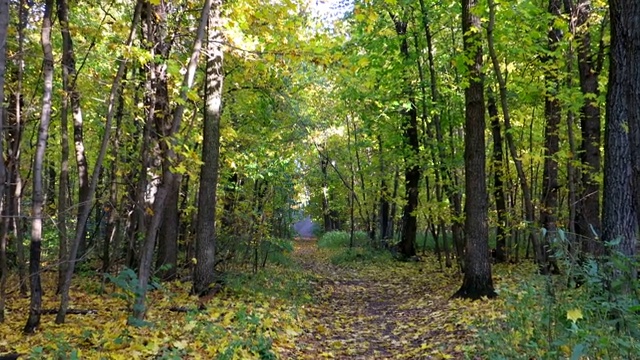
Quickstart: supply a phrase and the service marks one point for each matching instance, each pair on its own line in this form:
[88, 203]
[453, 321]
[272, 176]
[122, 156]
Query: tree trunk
[410, 138]
[4, 25]
[168, 178]
[477, 280]
[71, 98]
[529, 209]
[589, 67]
[38, 162]
[80, 226]
[204, 274]
[619, 220]
[498, 175]
[553, 113]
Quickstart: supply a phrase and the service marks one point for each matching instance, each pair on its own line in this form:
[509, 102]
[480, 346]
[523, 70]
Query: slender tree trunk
[412, 169]
[72, 98]
[4, 25]
[168, 178]
[477, 280]
[68, 85]
[38, 162]
[589, 67]
[498, 175]
[553, 113]
[204, 274]
[619, 220]
[529, 209]
[80, 226]
[155, 20]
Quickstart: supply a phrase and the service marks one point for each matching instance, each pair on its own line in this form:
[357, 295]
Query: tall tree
[410, 136]
[168, 177]
[498, 176]
[204, 275]
[4, 25]
[589, 68]
[619, 218]
[97, 170]
[38, 164]
[477, 280]
[553, 113]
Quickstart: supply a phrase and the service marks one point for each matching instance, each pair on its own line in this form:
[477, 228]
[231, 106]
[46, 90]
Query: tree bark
[477, 280]
[412, 144]
[619, 220]
[168, 178]
[589, 67]
[553, 113]
[38, 162]
[498, 184]
[80, 226]
[4, 25]
[204, 274]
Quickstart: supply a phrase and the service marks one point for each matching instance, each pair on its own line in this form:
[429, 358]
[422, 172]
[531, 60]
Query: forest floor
[385, 310]
[313, 303]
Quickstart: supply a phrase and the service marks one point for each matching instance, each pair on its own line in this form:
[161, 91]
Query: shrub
[546, 319]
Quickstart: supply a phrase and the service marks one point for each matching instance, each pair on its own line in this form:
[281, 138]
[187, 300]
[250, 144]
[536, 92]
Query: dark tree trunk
[4, 25]
[553, 113]
[204, 274]
[619, 220]
[412, 144]
[529, 210]
[168, 236]
[38, 163]
[477, 280]
[72, 100]
[589, 67]
[75, 244]
[498, 175]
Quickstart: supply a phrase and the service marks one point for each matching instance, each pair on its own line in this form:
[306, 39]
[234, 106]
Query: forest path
[391, 310]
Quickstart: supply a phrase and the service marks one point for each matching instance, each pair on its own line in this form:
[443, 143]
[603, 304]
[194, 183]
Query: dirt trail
[384, 311]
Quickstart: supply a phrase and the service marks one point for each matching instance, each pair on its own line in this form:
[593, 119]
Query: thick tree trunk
[38, 162]
[204, 274]
[168, 178]
[477, 280]
[619, 220]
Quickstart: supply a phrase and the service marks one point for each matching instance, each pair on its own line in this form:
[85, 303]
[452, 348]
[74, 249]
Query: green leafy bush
[552, 317]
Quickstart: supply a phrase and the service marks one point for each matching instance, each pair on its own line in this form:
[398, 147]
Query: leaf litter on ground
[381, 309]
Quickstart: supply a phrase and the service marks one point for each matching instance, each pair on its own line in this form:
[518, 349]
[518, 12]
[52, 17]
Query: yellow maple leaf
[574, 315]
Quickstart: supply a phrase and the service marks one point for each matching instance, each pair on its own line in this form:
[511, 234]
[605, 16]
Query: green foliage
[595, 318]
[341, 239]
[360, 256]
[280, 282]
[56, 347]
[128, 286]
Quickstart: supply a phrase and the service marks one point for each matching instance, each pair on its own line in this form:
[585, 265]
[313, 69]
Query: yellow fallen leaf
[574, 315]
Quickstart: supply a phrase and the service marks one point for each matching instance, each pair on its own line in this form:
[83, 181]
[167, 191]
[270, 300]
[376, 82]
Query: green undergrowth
[337, 246]
[551, 317]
